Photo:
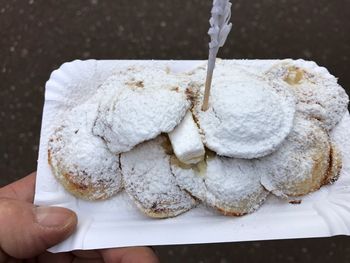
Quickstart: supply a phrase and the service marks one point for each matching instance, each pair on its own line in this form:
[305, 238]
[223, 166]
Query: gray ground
[36, 36]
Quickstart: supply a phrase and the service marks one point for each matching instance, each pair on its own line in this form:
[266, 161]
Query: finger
[27, 231]
[55, 258]
[84, 260]
[129, 255]
[22, 189]
[87, 254]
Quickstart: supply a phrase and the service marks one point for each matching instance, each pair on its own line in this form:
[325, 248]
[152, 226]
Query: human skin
[27, 231]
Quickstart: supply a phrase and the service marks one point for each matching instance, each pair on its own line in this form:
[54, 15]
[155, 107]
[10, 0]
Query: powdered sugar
[250, 116]
[300, 165]
[148, 180]
[141, 103]
[85, 157]
[228, 184]
[319, 95]
[247, 116]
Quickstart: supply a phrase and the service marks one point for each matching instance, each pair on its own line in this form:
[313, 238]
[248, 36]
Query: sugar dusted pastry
[318, 94]
[81, 161]
[247, 116]
[141, 103]
[305, 161]
[230, 185]
[266, 130]
[150, 183]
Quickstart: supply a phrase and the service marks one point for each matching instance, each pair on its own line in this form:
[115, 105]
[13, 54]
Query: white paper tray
[117, 222]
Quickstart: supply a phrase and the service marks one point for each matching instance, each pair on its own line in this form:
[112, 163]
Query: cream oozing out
[186, 141]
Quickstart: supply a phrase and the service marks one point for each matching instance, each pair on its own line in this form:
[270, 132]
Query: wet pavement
[37, 36]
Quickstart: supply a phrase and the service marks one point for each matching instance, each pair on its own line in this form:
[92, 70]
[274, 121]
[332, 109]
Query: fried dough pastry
[247, 117]
[149, 182]
[139, 104]
[265, 132]
[230, 185]
[80, 161]
[305, 161]
[318, 94]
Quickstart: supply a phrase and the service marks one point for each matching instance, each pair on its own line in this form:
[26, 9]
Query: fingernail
[53, 216]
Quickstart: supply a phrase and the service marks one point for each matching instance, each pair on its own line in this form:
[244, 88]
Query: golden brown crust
[318, 175]
[156, 212]
[322, 175]
[335, 165]
[81, 161]
[227, 212]
[302, 164]
[326, 170]
[86, 191]
[149, 182]
[320, 168]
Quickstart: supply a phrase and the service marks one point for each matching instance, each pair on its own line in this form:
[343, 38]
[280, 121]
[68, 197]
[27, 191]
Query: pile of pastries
[143, 131]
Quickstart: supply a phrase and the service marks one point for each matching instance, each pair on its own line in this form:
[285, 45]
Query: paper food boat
[118, 223]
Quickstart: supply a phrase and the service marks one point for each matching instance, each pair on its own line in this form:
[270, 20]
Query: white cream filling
[186, 141]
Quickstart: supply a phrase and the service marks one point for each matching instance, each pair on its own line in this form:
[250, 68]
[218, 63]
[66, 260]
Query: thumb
[27, 231]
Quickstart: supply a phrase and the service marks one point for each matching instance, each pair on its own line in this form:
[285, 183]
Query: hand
[26, 231]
